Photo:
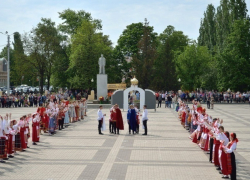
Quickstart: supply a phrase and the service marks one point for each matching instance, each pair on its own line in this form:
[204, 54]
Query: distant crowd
[36, 100]
[213, 96]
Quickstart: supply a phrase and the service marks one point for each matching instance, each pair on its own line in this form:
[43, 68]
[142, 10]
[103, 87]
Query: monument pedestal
[102, 85]
[92, 95]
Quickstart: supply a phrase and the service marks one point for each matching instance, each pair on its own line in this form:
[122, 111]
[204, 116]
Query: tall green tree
[170, 42]
[207, 30]
[191, 66]
[87, 47]
[227, 13]
[43, 47]
[234, 62]
[144, 59]
[72, 20]
[22, 71]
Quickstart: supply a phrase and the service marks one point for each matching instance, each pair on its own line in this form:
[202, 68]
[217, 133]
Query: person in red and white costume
[2, 141]
[6, 123]
[27, 120]
[222, 155]
[13, 130]
[22, 130]
[229, 150]
[35, 126]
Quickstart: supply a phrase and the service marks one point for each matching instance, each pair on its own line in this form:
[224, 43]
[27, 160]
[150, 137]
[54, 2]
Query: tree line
[67, 55]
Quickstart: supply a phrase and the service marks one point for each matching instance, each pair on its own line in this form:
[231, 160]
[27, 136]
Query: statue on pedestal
[102, 63]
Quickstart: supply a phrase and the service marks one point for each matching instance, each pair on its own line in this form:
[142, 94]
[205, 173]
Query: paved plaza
[79, 152]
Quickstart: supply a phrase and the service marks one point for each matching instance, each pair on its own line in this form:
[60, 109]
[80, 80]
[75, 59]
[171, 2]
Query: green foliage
[43, 49]
[191, 66]
[234, 62]
[21, 67]
[74, 19]
[169, 43]
[207, 30]
[87, 47]
[143, 60]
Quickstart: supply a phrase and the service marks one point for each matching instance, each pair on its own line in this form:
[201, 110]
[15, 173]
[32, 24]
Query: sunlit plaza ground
[79, 152]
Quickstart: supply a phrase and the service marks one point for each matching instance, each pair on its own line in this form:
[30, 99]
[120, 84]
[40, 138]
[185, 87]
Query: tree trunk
[41, 82]
[48, 85]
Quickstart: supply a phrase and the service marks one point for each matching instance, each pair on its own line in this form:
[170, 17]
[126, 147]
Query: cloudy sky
[184, 15]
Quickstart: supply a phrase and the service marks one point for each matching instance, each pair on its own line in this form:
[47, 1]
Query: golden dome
[134, 81]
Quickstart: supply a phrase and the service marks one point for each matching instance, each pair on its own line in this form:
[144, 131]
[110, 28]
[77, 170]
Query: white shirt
[145, 115]
[1, 128]
[222, 137]
[6, 126]
[100, 115]
[232, 148]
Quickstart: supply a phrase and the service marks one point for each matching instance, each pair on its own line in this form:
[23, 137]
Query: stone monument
[102, 79]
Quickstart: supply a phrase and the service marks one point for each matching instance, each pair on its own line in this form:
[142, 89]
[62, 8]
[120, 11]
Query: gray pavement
[78, 152]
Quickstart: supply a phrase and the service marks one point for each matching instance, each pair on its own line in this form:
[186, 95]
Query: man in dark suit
[31, 100]
[159, 100]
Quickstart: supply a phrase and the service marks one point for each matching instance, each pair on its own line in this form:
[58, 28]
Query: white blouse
[232, 148]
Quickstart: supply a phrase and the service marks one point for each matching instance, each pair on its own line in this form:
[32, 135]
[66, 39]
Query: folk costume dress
[66, 118]
[231, 147]
[8, 140]
[222, 155]
[3, 147]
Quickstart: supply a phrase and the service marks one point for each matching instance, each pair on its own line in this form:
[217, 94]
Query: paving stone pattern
[78, 152]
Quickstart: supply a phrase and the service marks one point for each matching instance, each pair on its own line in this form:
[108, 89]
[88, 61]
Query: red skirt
[10, 146]
[34, 132]
[216, 155]
[183, 118]
[195, 138]
[206, 143]
[23, 144]
[224, 163]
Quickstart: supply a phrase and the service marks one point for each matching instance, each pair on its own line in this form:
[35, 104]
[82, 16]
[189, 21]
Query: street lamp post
[46, 80]
[92, 80]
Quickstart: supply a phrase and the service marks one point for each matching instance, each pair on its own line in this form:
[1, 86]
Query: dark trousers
[137, 128]
[145, 126]
[129, 128]
[208, 104]
[211, 145]
[61, 122]
[159, 103]
[114, 127]
[110, 126]
[2, 104]
[99, 126]
[233, 164]
[31, 103]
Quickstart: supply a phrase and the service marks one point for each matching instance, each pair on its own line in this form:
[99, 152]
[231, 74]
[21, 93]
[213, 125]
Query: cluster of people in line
[116, 120]
[210, 136]
[14, 134]
[36, 100]
[215, 96]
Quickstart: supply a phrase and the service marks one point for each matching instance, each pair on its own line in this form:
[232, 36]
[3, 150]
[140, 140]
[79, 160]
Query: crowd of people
[116, 120]
[209, 134]
[218, 97]
[36, 99]
[55, 115]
